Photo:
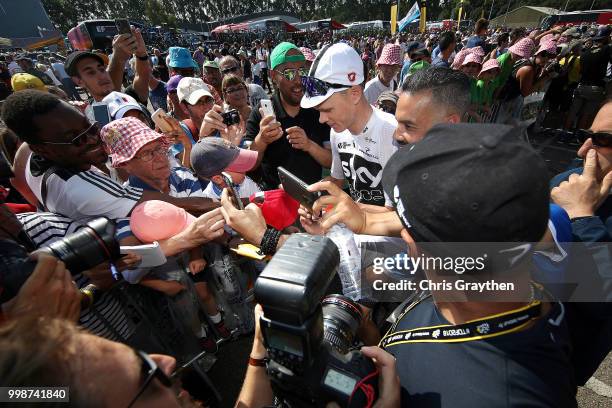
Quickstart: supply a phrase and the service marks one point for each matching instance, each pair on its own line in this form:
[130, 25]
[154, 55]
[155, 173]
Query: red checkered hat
[460, 57]
[125, 137]
[477, 50]
[523, 48]
[308, 54]
[390, 55]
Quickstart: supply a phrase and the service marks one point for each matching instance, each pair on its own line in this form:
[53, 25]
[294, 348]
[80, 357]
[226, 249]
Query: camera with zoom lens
[309, 337]
[231, 117]
[93, 244]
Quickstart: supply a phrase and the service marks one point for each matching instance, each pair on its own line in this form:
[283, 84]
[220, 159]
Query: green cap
[279, 54]
[211, 64]
[417, 66]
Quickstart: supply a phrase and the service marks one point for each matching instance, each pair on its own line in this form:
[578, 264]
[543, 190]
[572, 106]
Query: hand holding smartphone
[123, 26]
[232, 191]
[297, 188]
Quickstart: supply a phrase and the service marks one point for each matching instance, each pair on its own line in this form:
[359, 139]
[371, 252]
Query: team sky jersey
[360, 159]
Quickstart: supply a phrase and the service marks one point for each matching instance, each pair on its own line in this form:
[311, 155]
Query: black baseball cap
[470, 183]
[73, 59]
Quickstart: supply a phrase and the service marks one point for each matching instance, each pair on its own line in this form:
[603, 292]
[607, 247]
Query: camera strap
[487, 327]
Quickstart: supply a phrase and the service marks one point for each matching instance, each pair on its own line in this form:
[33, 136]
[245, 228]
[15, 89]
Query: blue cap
[181, 58]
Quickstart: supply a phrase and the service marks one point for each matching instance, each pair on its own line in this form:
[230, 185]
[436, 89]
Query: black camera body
[90, 246]
[231, 117]
[309, 340]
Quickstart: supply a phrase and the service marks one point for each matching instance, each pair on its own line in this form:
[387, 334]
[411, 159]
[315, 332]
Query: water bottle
[350, 260]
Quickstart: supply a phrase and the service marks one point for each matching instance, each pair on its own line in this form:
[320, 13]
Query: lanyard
[487, 327]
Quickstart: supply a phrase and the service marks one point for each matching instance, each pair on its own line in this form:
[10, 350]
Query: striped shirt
[80, 195]
[106, 318]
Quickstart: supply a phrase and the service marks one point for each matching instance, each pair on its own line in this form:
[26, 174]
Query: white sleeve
[88, 194]
[336, 167]
[370, 93]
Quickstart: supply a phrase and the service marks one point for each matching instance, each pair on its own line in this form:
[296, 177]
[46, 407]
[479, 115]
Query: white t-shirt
[14, 68]
[360, 159]
[56, 81]
[82, 195]
[244, 190]
[256, 94]
[262, 57]
[373, 89]
[59, 68]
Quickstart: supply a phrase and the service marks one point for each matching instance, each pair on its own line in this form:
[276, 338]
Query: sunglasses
[151, 371]
[81, 139]
[291, 73]
[599, 139]
[227, 71]
[315, 87]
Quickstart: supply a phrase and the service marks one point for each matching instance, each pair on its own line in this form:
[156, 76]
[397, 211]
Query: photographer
[257, 392]
[516, 362]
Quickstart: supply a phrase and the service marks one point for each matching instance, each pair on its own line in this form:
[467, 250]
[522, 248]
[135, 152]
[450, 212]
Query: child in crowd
[212, 156]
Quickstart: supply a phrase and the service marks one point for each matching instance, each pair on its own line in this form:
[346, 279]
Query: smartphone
[123, 26]
[162, 120]
[297, 189]
[232, 191]
[266, 107]
[101, 113]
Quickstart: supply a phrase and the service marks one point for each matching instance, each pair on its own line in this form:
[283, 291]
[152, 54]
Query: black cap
[73, 58]
[603, 33]
[470, 183]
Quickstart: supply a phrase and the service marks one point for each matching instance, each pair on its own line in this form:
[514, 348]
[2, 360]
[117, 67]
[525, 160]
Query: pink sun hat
[390, 55]
[523, 48]
[472, 58]
[308, 54]
[549, 47]
[489, 65]
[156, 220]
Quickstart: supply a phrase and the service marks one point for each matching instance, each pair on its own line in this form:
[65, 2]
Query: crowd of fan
[391, 128]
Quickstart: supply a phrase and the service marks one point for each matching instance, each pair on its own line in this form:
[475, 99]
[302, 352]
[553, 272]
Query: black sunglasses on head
[599, 139]
[315, 87]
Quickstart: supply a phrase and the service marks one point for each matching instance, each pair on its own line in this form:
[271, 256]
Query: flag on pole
[393, 18]
[459, 14]
[412, 15]
[423, 17]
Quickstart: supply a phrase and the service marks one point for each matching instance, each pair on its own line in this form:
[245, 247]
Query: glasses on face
[151, 371]
[599, 139]
[315, 87]
[230, 70]
[81, 139]
[149, 155]
[291, 73]
[230, 91]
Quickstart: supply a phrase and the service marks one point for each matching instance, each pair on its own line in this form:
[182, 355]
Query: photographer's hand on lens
[388, 380]
[212, 121]
[249, 222]
[344, 209]
[269, 129]
[49, 291]
[101, 275]
[581, 195]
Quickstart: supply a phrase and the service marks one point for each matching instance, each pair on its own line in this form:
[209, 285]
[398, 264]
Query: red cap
[279, 209]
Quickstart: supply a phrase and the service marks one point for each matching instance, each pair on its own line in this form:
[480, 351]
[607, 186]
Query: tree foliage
[67, 13]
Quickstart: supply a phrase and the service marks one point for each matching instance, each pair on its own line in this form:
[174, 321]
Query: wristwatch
[144, 58]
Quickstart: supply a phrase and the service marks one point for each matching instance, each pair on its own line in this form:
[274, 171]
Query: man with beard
[294, 139]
